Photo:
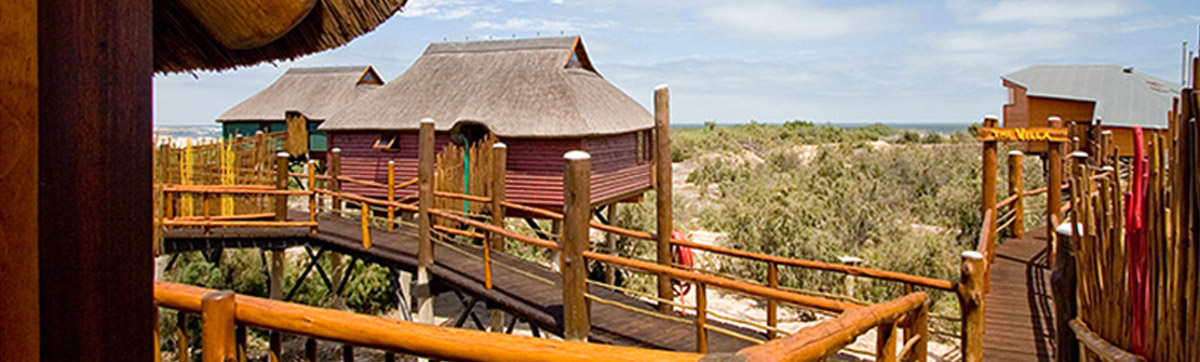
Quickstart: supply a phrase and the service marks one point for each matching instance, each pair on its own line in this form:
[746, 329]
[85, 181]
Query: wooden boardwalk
[1019, 312]
[521, 288]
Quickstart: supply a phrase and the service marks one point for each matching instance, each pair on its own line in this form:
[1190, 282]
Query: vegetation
[903, 201]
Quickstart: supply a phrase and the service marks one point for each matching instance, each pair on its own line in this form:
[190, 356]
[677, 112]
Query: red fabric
[1135, 241]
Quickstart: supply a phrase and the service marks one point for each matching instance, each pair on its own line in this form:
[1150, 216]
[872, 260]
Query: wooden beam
[217, 336]
[1016, 187]
[971, 305]
[95, 63]
[19, 178]
[1054, 180]
[425, 190]
[577, 212]
[989, 196]
[662, 161]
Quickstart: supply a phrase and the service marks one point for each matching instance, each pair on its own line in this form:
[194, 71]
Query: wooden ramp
[1019, 311]
[519, 287]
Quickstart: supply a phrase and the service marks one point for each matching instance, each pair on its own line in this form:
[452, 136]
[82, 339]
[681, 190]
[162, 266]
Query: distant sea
[939, 127]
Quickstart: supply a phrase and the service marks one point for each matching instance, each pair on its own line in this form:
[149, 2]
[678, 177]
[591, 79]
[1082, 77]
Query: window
[386, 142]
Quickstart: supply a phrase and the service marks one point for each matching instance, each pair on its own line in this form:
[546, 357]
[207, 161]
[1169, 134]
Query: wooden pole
[989, 198]
[19, 183]
[496, 241]
[662, 161]
[310, 350]
[311, 170]
[1054, 190]
[610, 243]
[391, 213]
[921, 330]
[885, 342]
[575, 239]
[365, 215]
[701, 318]
[183, 351]
[1016, 186]
[772, 305]
[335, 171]
[970, 297]
[281, 183]
[425, 201]
[217, 335]
[425, 225]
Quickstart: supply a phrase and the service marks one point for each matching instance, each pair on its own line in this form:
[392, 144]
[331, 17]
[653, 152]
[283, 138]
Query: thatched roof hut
[544, 87]
[316, 93]
[542, 97]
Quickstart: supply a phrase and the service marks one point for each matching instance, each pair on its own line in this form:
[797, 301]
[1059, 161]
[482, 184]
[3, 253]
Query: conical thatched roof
[181, 42]
[544, 87]
[316, 92]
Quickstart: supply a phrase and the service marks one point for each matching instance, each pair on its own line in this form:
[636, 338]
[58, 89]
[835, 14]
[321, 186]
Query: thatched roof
[315, 92]
[181, 43]
[544, 87]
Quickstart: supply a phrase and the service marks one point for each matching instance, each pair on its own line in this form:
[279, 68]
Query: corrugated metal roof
[517, 88]
[316, 92]
[1122, 98]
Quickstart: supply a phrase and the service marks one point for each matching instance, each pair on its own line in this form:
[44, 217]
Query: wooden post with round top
[576, 216]
[1054, 190]
[281, 183]
[335, 171]
[425, 224]
[495, 241]
[989, 195]
[1016, 186]
[662, 167]
[970, 297]
[391, 213]
[217, 335]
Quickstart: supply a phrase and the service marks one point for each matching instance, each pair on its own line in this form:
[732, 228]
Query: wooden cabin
[541, 97]
[315, 93]
[1119, 98]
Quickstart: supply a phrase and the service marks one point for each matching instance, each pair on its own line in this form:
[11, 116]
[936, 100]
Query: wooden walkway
[519, 287]
[1019, 312]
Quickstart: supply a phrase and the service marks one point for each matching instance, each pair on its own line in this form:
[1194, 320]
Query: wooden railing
[222, 312]
[574, 248]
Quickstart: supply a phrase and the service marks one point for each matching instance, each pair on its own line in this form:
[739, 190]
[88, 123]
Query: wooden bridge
[1002, 287]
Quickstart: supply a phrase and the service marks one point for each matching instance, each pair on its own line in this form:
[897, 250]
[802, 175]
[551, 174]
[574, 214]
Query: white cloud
[1043, 12]
[445, 9]
[803, 20]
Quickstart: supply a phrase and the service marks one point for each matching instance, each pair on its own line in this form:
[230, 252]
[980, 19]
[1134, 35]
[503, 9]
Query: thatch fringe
[182, 44]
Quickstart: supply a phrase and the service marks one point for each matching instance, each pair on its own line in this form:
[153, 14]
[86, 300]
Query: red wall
[535, 166]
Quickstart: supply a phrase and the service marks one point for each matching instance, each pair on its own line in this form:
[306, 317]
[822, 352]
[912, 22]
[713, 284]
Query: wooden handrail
[1098, 346]
[826, 338]
[401, 336]
[851, 270]
[219, 223]
[192, 189]
[453, 195]
[1007, 201]
[747, 288]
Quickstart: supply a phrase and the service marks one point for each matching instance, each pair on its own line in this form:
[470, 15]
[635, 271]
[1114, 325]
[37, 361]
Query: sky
[765, 60]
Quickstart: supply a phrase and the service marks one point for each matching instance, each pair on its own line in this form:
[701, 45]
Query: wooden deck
[1019, 312]
[520, 287]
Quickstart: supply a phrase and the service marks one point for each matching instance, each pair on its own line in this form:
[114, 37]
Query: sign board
[1040, 134]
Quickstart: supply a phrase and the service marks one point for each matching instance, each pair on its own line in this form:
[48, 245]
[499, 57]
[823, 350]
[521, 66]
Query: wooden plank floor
[1019, 312]
[519, 287]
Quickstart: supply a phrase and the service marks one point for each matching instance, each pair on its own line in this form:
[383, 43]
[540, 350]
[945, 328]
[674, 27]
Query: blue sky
[766, 60]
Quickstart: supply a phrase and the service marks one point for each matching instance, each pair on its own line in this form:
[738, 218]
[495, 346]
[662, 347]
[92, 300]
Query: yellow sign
[1023, 134]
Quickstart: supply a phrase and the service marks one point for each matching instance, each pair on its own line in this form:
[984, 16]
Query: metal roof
[1123, 97]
